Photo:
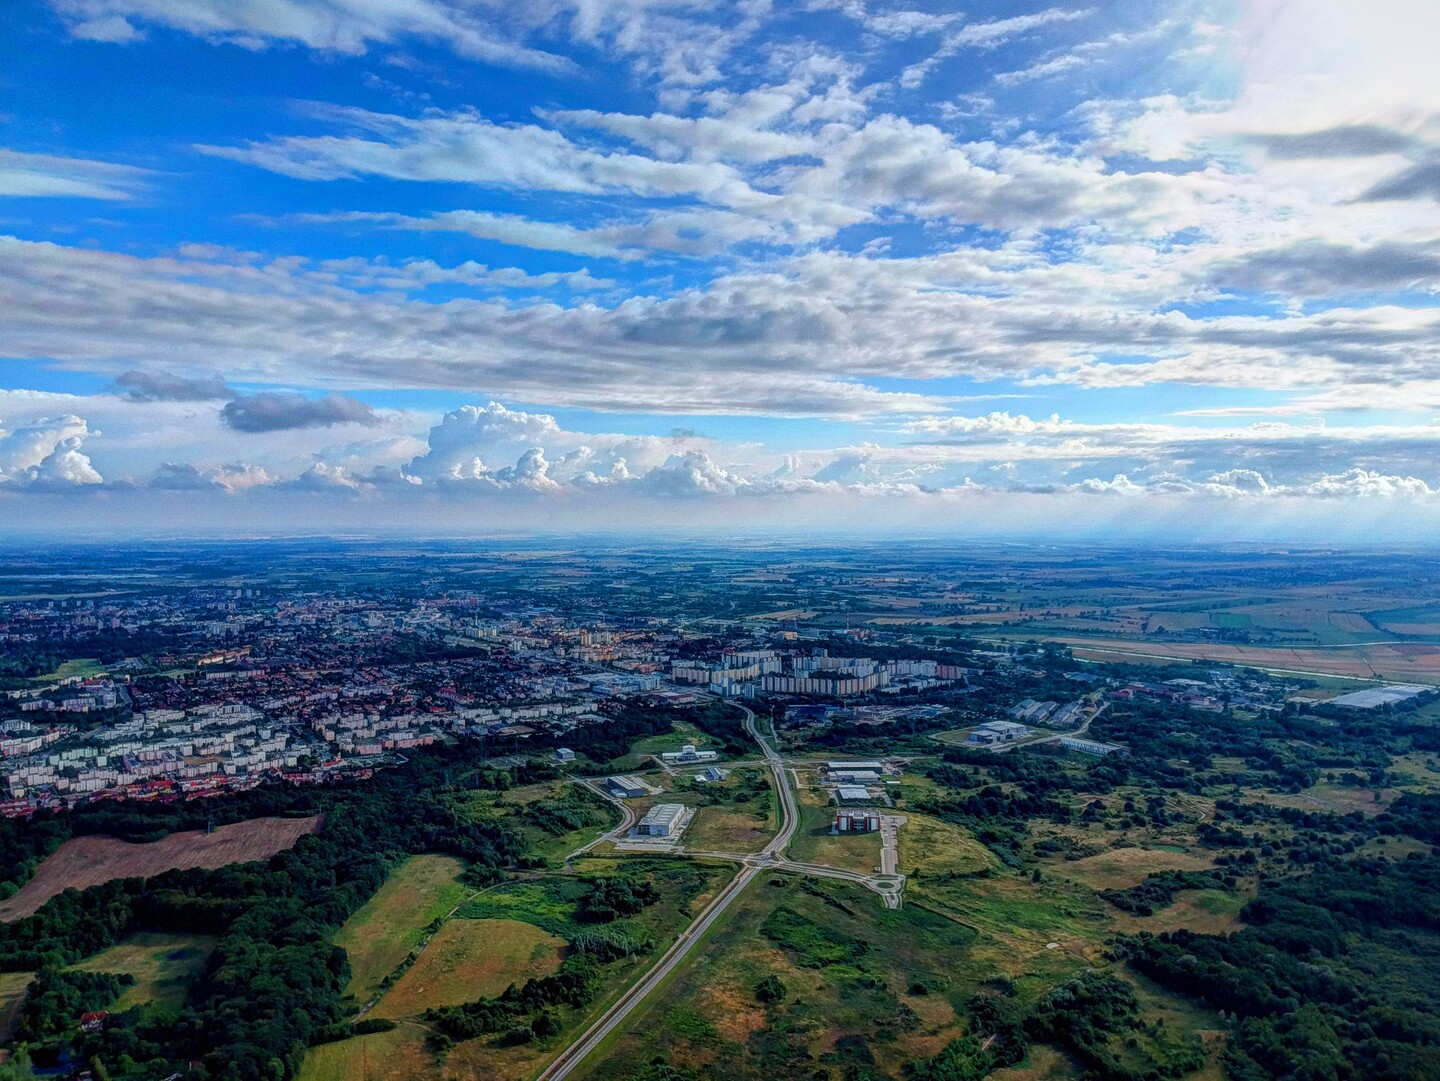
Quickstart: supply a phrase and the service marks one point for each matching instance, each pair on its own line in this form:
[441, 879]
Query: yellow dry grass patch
[929, 845]
[470, 959]
[1206, 912]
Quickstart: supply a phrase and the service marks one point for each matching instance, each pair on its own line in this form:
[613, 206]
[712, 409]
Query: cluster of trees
[1158, 890]
[618, 895]
[1311, 982]
[56, 1000]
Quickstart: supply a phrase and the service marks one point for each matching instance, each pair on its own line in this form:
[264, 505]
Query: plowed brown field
[82, 862]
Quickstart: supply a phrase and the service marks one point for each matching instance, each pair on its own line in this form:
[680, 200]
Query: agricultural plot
[507, 935]
[82, 862]
[382, 933]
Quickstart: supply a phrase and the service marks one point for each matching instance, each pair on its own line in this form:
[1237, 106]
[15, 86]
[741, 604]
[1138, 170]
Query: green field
[162, 965]
[383, 932]
[470, 959]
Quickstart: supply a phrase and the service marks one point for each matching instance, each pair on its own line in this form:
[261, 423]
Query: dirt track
[82, 862]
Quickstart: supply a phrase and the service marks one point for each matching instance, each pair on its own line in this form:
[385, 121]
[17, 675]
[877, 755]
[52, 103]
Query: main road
[607, 1022]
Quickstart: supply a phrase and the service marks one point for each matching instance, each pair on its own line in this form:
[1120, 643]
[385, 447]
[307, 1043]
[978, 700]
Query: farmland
[82, 862]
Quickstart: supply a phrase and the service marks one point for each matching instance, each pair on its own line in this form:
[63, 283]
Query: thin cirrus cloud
[52, 176]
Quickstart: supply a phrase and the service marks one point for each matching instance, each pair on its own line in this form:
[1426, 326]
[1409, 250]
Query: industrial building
[664, 820]
[857, 822]
[627, 787]
[841, 767]
[689, 753]
[564, 754]
[1091, 746]
[711, 773]
[998, 732]
[852, 792]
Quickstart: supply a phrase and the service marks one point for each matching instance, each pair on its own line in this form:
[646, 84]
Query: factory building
[664, 820]
[1091, 746]
[626, 787]
[852, 792]
[998, 732]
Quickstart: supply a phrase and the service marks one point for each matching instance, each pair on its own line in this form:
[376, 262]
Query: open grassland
[82, 862]
[861, 983]
[929, 845]
[470, 959]
[162, 964]
[1206, 912]
[1043, 1063]
[1121, 868]
[384, 931]
[814, 843]
[503, 936]
[381, 1056]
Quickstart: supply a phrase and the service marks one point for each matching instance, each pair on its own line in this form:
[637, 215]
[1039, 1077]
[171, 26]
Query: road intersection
[889, 884]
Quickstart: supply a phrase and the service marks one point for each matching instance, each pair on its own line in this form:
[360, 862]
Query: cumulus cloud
[274, 412]
[47, 454]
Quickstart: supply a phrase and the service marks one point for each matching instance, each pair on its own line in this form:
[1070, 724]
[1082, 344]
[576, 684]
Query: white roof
[663, 814]
[853, 791]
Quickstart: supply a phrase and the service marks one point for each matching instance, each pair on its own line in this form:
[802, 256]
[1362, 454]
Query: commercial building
[848, 821]
[664, 820]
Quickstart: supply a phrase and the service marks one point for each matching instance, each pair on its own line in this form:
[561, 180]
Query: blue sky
[1160, 268]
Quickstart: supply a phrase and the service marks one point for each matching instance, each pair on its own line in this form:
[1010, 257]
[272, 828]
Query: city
[627, 766]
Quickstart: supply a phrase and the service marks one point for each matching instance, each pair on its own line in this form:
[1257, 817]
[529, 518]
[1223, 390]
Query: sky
[1131, 269]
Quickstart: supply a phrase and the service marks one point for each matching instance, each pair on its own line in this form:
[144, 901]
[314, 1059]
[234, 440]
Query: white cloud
[36, 175]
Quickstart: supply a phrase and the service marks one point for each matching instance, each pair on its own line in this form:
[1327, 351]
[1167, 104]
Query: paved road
[613, 835]
[577, 1052]
[890, 844]
[607, 1022]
